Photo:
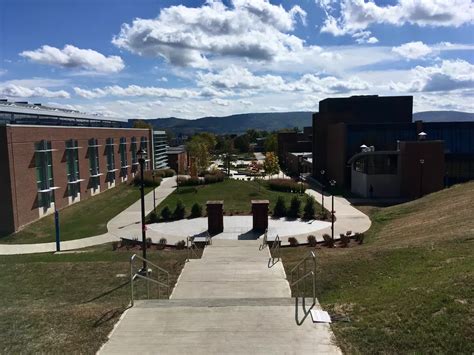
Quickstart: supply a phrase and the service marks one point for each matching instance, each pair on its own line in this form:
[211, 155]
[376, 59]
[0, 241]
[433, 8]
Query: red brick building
[43, 168]
[178, 159]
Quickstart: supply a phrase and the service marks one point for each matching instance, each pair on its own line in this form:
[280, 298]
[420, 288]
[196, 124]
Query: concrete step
[210, 326]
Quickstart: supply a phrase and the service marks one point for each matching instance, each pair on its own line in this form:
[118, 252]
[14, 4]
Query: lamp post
[154, 186]
[333, 183]
[422, 162]
[322, 190]
[141, 154]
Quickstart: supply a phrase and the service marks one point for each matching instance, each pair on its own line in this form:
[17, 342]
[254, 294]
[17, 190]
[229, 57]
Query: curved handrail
[296, 270]
[275, 250]
[135, 275]
[148, 262]
[310, 254]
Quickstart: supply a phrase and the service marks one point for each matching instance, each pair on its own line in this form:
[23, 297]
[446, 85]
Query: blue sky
[189, 59]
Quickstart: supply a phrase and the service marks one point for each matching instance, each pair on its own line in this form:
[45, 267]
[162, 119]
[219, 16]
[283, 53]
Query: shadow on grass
[106, 292]
[108, 316]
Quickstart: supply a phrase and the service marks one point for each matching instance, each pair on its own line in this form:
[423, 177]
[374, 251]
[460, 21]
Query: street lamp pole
[141, 160]
[322, 191]
[154, 187]
[333, 183]
[422, 162]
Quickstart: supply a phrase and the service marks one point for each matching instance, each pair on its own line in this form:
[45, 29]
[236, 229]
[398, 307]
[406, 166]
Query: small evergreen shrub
[309, 210]
[280, 208]
[311, 240]
[166, 213]
[179, 211]
[293, 241]
[196, 210]
[153, 217]
[180, 245]
[294, 210]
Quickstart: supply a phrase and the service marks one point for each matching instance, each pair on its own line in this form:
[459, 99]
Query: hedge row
[208, 179]
[286, 185]
[148, 177]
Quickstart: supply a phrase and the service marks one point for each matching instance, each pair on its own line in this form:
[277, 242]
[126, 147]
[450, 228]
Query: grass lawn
[236, 195]
[84, 219]
[68, 303]
[408, 289]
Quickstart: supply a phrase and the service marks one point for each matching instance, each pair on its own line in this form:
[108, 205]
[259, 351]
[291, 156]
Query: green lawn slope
[409, 287]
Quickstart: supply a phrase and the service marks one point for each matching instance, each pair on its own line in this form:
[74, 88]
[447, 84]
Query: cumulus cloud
[353, 17]
[12, 90]
[134, 91]
[73, 57]
[185, 36]
[234, 80]
[449, 75]
[413, 50]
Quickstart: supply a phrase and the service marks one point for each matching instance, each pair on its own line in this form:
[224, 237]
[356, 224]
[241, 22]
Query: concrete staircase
[227, 302]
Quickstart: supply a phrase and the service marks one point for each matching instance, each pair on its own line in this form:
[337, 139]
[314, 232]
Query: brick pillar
[215, 217]
[260, 215]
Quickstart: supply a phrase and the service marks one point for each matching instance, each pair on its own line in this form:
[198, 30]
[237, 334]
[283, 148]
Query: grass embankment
[68, 303]
[236, 194]
[83, 219]
[408, 289]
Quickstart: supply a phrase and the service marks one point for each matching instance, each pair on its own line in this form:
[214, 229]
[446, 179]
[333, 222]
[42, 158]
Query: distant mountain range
[273, 121]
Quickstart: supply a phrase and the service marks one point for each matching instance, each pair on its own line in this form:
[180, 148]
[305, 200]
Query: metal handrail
[275, 249]
[190, 246]
[147, 278]
[311, 256]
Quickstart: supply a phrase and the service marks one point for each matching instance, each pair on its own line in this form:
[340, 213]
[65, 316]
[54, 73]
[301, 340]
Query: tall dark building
[344, 125]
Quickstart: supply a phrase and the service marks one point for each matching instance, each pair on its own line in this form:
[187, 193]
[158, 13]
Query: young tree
[309, 209]
[242, 143]
[280, 207]
[271, 143]
[270, 165]
[294, 210]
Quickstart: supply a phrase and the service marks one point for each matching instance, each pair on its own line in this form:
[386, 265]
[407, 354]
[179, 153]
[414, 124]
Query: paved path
[236, 228]
[125, 224]
[227, 302]
[348, 218]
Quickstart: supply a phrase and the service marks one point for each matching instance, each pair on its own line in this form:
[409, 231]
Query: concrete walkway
[348, 218]
[125, 224]
[228, 302]
[237, 228]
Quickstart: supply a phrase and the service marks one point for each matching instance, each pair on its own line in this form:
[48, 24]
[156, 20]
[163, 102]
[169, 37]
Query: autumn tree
[270, 165]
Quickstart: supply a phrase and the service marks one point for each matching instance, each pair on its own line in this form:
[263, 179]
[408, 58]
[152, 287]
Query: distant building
[160, 145]
[51, 158]
[293, 142]
[344, 125]
[178, 159]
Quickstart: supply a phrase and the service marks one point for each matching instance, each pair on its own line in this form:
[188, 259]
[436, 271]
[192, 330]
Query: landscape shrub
[162, 243]
[196, 210]
[149, 243]
[213, 178]
[311, 240]
[179, 211]
[184, 181]
[166, 213]
[294, 210]
[280, 207]
[153, 217]
[147, 179]
[180, 245]
[293, 241]
[309, 210]
[115, 245]
[286, 185]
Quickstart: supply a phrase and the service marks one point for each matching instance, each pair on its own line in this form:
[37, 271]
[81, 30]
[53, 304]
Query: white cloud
[413, 50]
[355, 16]
[220, 102]
[134, 91]
[450, 75]
[12, 90]
[73, 57]
[185, 36]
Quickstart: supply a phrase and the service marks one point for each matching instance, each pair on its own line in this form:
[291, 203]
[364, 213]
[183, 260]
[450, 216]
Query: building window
[110, 160]
[44, 173]
[123, 156]
[94, 167]
[72, 166]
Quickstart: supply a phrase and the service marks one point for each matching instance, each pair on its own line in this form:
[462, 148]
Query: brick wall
[22, 170]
